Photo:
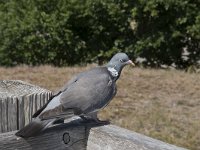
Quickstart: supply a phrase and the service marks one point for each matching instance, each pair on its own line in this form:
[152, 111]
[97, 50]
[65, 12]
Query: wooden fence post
[18, 102]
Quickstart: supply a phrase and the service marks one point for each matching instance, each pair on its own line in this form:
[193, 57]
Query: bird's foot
[103, 122]
[59, 121]
[94, 120]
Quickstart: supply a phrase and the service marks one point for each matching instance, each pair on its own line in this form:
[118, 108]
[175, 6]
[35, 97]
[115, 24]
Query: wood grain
[38, 101]
[115, 138]
[21, 118]
[12, 113]
[18, 102]
[84, 136]
[0, 116]
[4, 115]
[68, 137]
[34, 107]
[27, 109]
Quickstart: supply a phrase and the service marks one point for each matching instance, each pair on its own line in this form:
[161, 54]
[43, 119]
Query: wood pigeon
[84, 95]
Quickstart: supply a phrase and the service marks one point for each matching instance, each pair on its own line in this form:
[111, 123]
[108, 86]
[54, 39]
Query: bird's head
[117, 62]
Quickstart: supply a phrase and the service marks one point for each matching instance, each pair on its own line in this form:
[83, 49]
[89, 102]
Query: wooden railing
[74, 135]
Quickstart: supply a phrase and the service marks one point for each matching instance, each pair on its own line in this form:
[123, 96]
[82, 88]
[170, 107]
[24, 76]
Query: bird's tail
[34, 127]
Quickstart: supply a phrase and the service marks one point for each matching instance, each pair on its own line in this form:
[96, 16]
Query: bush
[79, 32]
[168, 30]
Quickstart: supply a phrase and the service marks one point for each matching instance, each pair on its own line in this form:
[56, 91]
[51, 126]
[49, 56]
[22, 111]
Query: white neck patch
[113, 71]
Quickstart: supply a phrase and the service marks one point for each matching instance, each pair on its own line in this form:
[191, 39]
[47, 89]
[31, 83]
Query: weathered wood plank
[30, 99]
[27, 103]
[115, 138]
[41, 101]
[21, 117]
[26, 109]
[43, 98]
[34, 107]
[38, 101]
[9, 109]
[12, 113]
[46, 97]
[0, 115]
[68, 137]
[15, 117]
[50, 94]
[4, 115]
[84, 136]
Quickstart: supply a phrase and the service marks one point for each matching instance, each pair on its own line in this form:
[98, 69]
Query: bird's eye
[121, 60]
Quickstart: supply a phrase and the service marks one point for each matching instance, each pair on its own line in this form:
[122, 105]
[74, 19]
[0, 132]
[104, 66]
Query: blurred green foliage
[61, 32]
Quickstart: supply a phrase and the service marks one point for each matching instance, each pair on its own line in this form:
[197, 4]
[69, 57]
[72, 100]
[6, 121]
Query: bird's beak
[130, 63]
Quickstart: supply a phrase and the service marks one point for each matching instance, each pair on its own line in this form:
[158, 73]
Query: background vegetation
[61, 32]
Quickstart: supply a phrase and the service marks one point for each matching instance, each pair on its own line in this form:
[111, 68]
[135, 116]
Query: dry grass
[158, 103]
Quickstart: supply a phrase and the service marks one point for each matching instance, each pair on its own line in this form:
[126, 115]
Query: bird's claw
[95, 121]
[104, 122]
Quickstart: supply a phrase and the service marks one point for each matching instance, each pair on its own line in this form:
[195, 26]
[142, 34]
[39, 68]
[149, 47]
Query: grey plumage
[84, 95]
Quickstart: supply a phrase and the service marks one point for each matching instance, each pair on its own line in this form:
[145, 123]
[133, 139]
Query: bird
[84, 95]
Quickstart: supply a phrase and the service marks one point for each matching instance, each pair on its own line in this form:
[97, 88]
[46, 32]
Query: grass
[163, 104]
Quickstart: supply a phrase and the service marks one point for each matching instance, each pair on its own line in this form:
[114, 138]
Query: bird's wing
[90, 92]
[70, 82]
[55, 95]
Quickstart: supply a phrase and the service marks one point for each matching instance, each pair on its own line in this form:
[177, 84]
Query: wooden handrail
[80, 136]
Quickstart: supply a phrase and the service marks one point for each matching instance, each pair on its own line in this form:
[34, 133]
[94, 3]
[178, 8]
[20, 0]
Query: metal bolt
[66, 138]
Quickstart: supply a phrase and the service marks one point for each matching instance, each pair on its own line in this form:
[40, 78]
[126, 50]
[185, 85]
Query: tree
[79, 32]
